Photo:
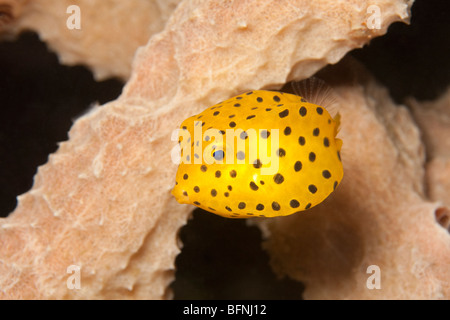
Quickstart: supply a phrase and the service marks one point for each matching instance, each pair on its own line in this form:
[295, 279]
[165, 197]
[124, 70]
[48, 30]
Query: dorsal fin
[315, 90]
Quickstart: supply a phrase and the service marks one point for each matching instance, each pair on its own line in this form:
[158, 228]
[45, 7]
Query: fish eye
[218, 155]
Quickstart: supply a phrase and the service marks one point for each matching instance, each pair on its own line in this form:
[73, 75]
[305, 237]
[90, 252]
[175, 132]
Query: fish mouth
[180, 195]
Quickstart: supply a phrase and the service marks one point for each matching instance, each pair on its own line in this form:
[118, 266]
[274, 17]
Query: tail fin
[337, 119]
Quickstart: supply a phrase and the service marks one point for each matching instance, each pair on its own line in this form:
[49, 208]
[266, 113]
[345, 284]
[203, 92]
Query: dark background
[40, 99]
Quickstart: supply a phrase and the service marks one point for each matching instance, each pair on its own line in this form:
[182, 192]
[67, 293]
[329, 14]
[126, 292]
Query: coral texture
[103, 203]
[110, 33]
[433, 118]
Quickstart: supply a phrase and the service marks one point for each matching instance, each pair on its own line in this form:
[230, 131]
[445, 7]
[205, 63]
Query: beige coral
[433, 118]
[102, 202]
[109, 35]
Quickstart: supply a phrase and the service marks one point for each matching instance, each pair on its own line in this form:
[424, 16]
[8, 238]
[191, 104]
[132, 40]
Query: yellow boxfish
[259, 154]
